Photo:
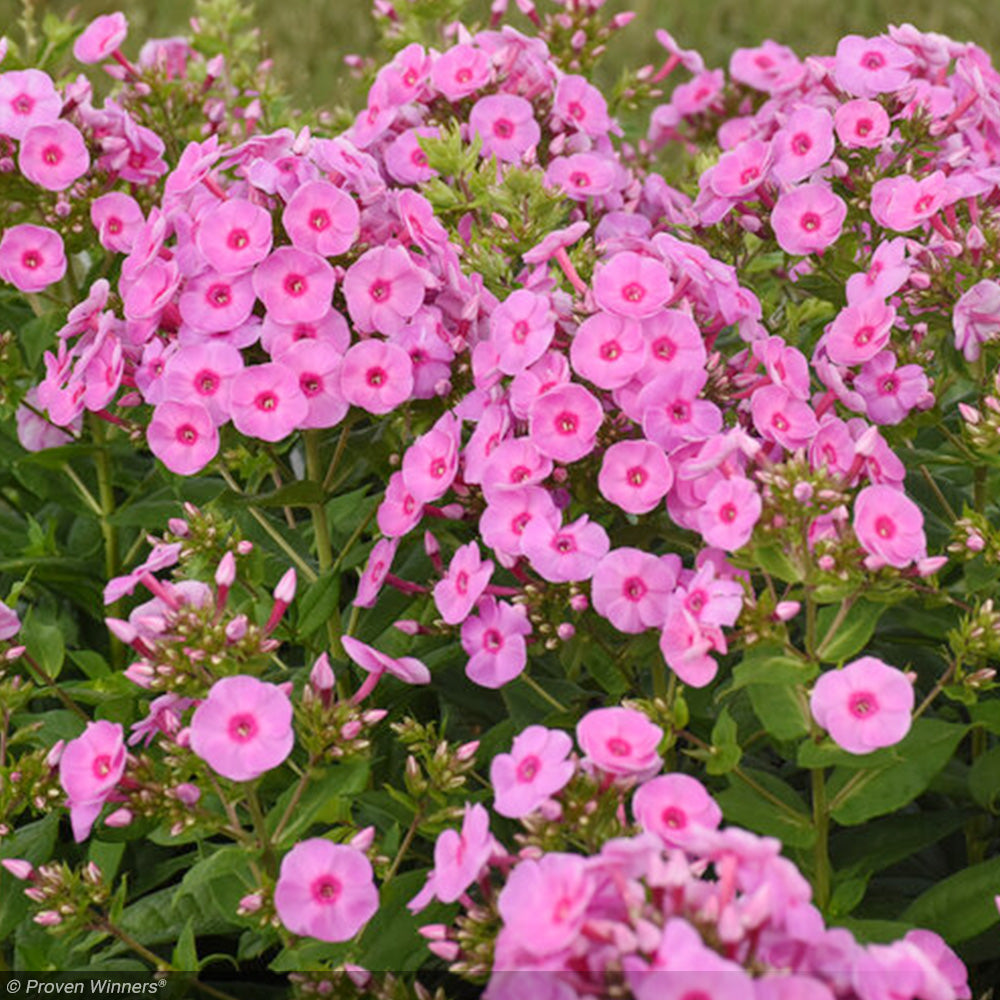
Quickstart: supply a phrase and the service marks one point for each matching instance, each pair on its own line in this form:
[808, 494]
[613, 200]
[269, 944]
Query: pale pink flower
[726, 519]
[564, 422]
[686, 644]
[376, 376]
[431, 462]
[514, 464]
[399, 511]
[629, 588]
[861, 124]
[583, 175]
[10, 624]
[494, 639]
[509, 512]
[183, 436]
[406, 668]
[580, 105]
[521, 328]
[376, 569]
[564, 554]
[321, 218]
[28, 97]
[266, 401]
[31, 257]
[53, 155]
[865, 67]
[632, 285]
[635, 475]
[864, 706]
[89, 769]
[535, 769]
[325, 890]
[889, 526]
[383, 288]
[808, 219]
[215, 303]
[101, 38]
[461, 71]
[620, 741]
[317, 365]
[886, 274]
[779, 416]
[976, 317]
[294, 285]
[405, 159]
[506, 125]
[890, 392]
[742, 170]
[803, 144]
[675, 807]
[671, 412]
[674, 342]
[460, 588]
[902, 203]
[608, 350]
[234, 236]
[117, 218]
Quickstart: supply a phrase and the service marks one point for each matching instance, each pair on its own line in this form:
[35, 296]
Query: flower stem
[411, 832]
[821, 849]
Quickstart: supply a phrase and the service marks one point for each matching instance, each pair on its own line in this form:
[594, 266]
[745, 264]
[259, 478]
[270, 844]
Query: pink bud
[565, 631]
[930, 565]
[975, 543]
[436, 932]
[47, 918]
[285, 591]
[431, 545]
[141, 674]
[179, 527]
[237, 628]
[969, 414]
[225, 574]
[19, 868]
[357, 975]
[551, 810]
[363, 839]
[321, 676]
[122, 630]
[374, 715]
[53, 756]
[408, 626]
[244, 548]
[447, 950]
[786, 610]
[349, 730]
[467, 750]
[251, 903]
[186, 793]
[452, 511]
[803, 492]
[579, 602]
[14, 653]
[119, 818]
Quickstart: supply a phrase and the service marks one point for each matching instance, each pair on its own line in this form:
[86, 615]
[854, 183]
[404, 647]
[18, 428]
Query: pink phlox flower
[399, 511]
[671, 804]
[162, 556]
[780, 416]
[521, 328]
[214, 303]
[944, 961]
[378, 565]
[674, 342]
[608, 350]
[808, 219]
[714, 599]
[865, 67]
[117, 217]
[890, 392]
[583, 175]
[544, 903]
[620, 742]
[579, 105]
[693, 97]
[889, 526]
[492, 427]
[506, 125]
[785, 365]
[331, 328]
[406, 161]
[509, 512]
[460, 588]
[686, 644]
[321, 218]
[317, 366]
[53, 155]
[267, 402]
[886, 274]
[459, 857]
[861, 124]
[564, 554]
[431, 462]
[325, 890]
[234, 236]
[729, 513]
[194, 166]
[10, 624]
[863, 706]
[742, 170]
[629, 588]
[35, 433]
[406, 668]
[407, 74]
[551, 371]
[494, 639]
[564, 421]
[28, 97]
[164, 716]
[101, 38]
[769, 67]
[89, 769]
[148, 292]
[632, 285]
[384, 288]
[294, 285]
[803, 144]
[902, 203]
[376, 376]
[975, 318]
[184, 436]
[635, 475]
[536, 768]
[461, 71]
[243, 728]
[672, 414]
[31, 257]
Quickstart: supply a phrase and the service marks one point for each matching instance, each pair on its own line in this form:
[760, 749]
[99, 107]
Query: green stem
[337, 455]
[321, 527]
[821, 850]
[88, 498]
[50, 681]
[979, 489]
[539, 690]
[160, 964]
[260, 826]
[106, 498]
[411, 832]
[294, 800]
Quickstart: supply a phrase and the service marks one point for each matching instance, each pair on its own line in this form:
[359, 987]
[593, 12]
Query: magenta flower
[431, 462]
[861, 124]
[234, 236]
[579, 104]
[632, 285]
[583, 175]
[202, 374]
[890, 392]
[405, 159]
[399, 511]
[379, 563]
[506, 125]
[509, 512]
[864, 706]
[117, 218]
[887, 272]
[101, 38]
[808, 219]
[461, 71]
[742, 170]
[513, 464]
[294, 285]
[564, 422]
[564, 554]
[460, 588]
[266, 401]
[521, 329]
[53, 156]
[635, 475]
[803, 144]
[383, 288]
[865, 67]
[89, 769]
[902, 203]
[608, 350]
[325, 890]
[686, 644]
[317, 367]
[675, 807]
[32, 257]
[976, 317]
[726, 519]
[458, 859]
[215, 303]
[620, 741]
[535, 769]
[494, 639]
[630, 587]
[544, 903]
[28, 97]
[779, 416]
[243, 728]
[674, 342]
[183, 436]
[671, 412]
[376, 376]
[321, 218]
[889, 526]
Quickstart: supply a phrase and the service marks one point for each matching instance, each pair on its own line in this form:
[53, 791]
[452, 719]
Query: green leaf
[781, 709]
[857, 796]
[92, 664]
[984, 779]
[851, 634]
[774, 560]
[770, 664]
[185, 956]
[987, 714]
[213, 887]
[317, 603]
[962, 905]
[45, 644]
[301, 493]
[743, 804]
[726, 751]
[327, 799]
[847, 893]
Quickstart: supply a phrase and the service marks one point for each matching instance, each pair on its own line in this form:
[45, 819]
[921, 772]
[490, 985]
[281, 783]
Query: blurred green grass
[308, 39]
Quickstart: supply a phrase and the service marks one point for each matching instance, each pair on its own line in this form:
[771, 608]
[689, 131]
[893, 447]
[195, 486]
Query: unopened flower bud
[363, 839]
[47, 918]
[579, 602]
[565, 631]
[225, 574]
[119, 818]
[321, 676]
[250, 903]
[467, 751]
[19, 868]
[179, 527]
[786, 610]
[237, 628]
[285, 591]
[349, 730]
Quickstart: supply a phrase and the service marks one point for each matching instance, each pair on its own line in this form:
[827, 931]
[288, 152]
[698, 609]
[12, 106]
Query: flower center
[492, 640]
[564, 544]
[376, 377]
[242, 727]
[52, 155]
[325, 890]
[31, 259]
[637, 476]
[311, 385]
[238, 239]
[527, 769]
[810, 222]
[873, 60]
[673, 818]
[22, 104]
[801, 144]
[863, 127]
[187, 435]
[219, 296]
[727, 512]
[579, 179]
[296, 285]
[634, 589]
[749, 174]
[633, 292]
[266, 401]
[520, 332]
[619, 747]
[862, 704]
[102, 766]
[665, 349]
[319, 219]
[379, 290]
[503, 128]
[207, 383]
[611, 351]
[567, 423]
[885, 527]
[679, 412]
